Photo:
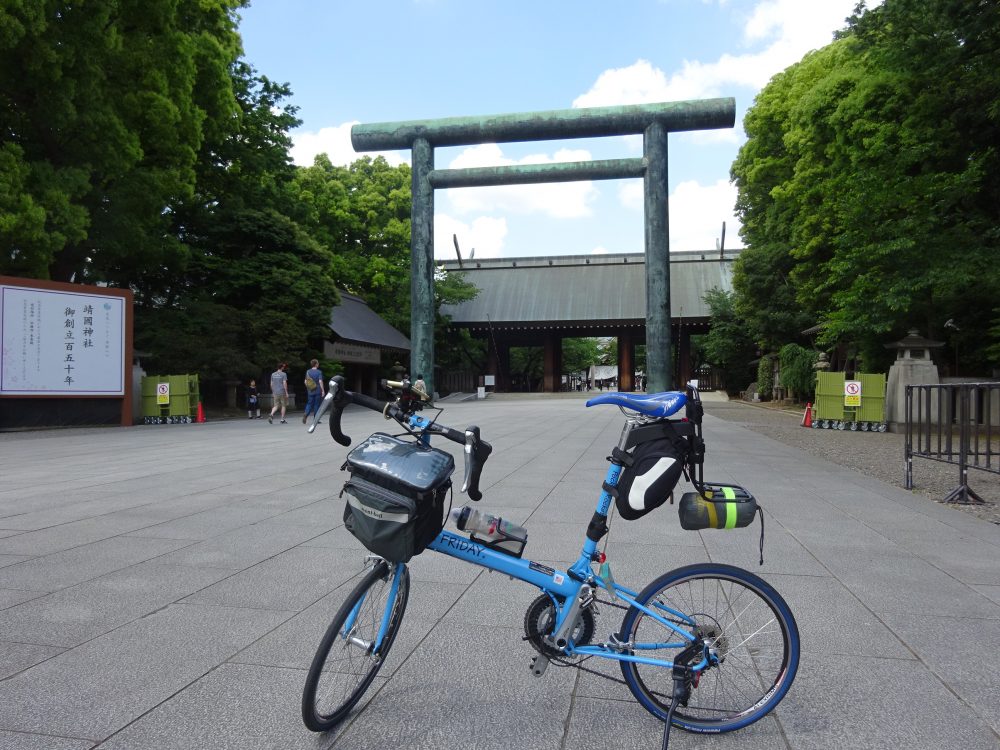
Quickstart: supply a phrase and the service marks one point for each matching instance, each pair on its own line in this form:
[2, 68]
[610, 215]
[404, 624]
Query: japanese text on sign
[55, 342]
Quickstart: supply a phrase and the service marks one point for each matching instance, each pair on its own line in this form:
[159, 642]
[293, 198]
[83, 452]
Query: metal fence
[956, 423]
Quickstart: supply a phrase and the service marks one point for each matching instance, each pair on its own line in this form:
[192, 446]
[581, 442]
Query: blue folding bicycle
[706, 647]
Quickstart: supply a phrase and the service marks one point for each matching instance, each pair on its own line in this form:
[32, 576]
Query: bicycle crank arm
[539, 663]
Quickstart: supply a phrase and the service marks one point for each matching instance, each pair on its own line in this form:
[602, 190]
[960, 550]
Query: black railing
[956, 423]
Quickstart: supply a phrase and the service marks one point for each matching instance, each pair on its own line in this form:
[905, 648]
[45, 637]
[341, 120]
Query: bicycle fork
[372, 647]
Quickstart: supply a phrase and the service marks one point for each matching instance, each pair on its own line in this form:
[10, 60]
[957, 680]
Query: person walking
[314, 389]
[253, 400]
[279, 392]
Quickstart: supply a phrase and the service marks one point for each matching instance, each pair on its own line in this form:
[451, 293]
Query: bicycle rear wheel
[743, 619]
[345, 662]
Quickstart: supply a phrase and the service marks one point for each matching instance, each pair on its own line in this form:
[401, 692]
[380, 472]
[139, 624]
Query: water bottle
[491, 530]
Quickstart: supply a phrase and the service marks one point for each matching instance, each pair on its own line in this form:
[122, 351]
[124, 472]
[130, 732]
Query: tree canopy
[138, 149]
[869, 187]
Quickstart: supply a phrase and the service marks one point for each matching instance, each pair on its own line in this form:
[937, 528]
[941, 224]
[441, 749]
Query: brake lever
[338, 397]
[324, 407]
[476, 453]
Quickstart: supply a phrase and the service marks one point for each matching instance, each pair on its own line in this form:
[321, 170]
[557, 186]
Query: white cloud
[631, 195]
[485, 235]
[335, 142]
[599, 250]
[697, 212]
[789, 28]
[562, 200]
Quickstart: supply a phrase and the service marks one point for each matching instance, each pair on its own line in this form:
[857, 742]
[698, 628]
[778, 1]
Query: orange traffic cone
[201, 414]
[807, 418]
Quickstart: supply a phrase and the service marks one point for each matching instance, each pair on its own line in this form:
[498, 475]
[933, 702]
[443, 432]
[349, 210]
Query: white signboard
[61, 343]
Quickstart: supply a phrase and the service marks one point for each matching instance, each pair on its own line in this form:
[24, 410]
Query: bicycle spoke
[739, 625]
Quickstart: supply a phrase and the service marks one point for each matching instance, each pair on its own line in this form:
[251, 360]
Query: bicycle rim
[744, 620]
[345, 664]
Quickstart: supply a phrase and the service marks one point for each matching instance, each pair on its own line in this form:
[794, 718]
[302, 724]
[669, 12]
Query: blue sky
[351, 62]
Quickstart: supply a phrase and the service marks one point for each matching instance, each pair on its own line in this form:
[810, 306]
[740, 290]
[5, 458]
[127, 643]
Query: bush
[765, 381]
[797, 373]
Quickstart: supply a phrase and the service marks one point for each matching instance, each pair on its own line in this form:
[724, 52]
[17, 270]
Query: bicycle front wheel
[347, 661]
[742, 619]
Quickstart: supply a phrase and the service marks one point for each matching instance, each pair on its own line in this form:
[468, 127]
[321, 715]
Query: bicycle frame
[565, 587]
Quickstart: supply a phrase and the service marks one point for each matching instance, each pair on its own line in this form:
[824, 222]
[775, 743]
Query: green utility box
[857, 404]
[180, 392]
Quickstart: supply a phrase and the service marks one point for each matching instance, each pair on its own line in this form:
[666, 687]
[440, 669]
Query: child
[253, 403]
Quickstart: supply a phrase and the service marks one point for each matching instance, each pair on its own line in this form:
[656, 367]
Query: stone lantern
[913, 366]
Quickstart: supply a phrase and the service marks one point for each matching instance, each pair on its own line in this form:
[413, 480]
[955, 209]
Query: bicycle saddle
[652, 404]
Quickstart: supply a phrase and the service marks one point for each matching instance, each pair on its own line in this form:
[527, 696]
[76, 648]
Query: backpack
[311, 385]
[650, 473]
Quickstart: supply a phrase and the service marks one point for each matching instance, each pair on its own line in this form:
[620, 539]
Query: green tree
[797, 373]
[768, 298]
[103, 108]
[869, 185]
[579, 354]
[362, 214]
[255, 287]
[728, 344]
[765, 378]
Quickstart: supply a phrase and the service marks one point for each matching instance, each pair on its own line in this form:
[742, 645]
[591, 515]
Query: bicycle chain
[561, 662]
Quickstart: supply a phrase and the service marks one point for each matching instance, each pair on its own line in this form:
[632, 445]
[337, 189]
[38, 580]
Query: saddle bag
[650, 473]
[395, 495]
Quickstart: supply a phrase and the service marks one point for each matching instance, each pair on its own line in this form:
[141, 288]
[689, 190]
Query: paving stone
[96, 689]
[291, 580]
[844, 701]
[15, 657]
[77, 614]
[237, 707]
[11, 597]
[64, 569]
[22, 741]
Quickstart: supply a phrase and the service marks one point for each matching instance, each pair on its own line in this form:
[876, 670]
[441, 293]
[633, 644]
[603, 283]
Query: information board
[61, 343]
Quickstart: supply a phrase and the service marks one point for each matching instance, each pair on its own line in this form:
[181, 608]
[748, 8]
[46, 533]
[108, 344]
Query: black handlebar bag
[395, 496]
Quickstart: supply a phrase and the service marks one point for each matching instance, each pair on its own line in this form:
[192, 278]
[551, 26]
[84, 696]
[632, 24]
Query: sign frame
[44, 288]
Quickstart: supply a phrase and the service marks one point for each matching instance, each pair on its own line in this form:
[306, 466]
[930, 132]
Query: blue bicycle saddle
[652, 404]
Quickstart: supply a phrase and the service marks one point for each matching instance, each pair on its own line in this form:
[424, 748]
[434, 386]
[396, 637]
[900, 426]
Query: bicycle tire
[732, 608]
[353, 668]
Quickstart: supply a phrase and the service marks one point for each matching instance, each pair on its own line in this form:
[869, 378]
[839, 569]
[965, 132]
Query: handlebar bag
[395, 496]
[650, 473]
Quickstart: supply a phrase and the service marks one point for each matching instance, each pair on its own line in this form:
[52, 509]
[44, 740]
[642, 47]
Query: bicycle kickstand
[683, 682]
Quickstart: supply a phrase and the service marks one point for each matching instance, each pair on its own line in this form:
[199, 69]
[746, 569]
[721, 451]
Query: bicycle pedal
[539, 664]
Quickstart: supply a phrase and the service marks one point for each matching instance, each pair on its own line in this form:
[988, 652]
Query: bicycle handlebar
[476, 449]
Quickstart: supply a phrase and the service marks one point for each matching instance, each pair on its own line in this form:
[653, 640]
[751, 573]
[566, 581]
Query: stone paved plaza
[165, 587]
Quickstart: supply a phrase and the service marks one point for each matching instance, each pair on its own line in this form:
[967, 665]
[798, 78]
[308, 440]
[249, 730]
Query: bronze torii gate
[652, 121]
